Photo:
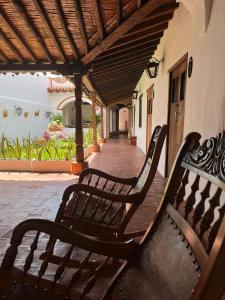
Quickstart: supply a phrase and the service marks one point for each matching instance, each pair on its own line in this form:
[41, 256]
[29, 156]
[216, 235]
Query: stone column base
[102, 140]
[77, 167]
[95, 148]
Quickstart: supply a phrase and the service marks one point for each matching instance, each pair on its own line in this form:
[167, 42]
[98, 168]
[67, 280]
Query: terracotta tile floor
[26, 195]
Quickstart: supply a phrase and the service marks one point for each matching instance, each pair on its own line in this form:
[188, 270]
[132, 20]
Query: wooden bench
[181, 256]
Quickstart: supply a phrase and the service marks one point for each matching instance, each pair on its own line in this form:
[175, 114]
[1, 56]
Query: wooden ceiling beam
[3, 57]
[125, 49]
[40, 8]
[148, 33]
[131, 51]
[125, 57]
[127, 71]
[160, 21]
[10, 45]
[29, 24]
[121, 65]
[137, 41]
[119, 32]
[65, 69]
[113, 91]
[99, 20]
[114, 84]
[119, 11]
[164, 10]
[82, 28]
[17, 35]
[114, 80]
[115, 101]
[124, 94]
[65, 29]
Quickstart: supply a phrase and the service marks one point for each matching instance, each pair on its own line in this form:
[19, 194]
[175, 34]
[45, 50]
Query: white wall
[30, 93]
[205, 90]
[123, 119]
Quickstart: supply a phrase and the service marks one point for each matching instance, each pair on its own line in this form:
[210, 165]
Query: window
[140, 111]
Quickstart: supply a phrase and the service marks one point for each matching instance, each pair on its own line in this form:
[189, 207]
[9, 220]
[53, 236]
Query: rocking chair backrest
[183, 253]
[149, 168]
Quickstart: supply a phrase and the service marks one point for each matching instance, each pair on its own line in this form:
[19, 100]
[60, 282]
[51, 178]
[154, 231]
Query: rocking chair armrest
[79, 187]
[128, 181]
[113, 249]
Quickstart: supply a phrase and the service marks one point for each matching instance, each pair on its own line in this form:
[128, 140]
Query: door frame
[147, 91]
[174, 66]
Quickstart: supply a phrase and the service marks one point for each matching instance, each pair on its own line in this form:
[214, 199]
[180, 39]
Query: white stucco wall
[30, 93]
[123, 119]
[205, 90]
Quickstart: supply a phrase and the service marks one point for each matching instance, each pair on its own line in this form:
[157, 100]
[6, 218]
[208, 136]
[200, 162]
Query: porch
[26, 195]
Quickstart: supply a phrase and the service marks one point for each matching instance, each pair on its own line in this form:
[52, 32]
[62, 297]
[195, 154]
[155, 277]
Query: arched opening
[123, 120]
[69, 115]
[119, 115]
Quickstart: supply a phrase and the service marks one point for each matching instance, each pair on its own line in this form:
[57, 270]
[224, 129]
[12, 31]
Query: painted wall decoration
[37, 113]
[48, 114]
[5, 113]
[18, 110]
[26, 114]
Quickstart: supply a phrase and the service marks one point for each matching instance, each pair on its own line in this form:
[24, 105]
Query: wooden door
[150, 96]
[176, 110]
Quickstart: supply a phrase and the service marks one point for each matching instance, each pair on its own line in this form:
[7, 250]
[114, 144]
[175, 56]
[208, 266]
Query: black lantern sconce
[153, 67]
[135, 95]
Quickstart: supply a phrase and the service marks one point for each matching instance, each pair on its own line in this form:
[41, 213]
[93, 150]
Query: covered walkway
[27, 195]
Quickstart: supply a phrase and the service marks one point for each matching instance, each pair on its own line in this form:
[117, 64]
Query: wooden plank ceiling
[113, 38]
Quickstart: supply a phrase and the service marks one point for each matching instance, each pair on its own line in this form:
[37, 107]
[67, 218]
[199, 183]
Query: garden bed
[50, 154]
[38, 166]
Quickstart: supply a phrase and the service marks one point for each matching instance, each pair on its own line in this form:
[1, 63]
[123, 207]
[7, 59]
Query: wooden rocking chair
[101, 205]
[181, 256]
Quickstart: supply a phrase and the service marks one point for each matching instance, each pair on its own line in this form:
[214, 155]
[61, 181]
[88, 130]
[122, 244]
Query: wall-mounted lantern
[135, 95]
[153, 67]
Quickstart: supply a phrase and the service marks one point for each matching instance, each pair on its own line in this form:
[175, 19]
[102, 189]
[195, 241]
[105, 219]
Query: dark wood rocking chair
[101, 205]
[181, 256]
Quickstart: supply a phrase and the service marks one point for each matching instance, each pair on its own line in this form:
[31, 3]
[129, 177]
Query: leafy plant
[57, 118]
[56, 147]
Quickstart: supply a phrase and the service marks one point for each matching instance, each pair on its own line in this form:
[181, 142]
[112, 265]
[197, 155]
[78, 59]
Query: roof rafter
[136, 37]
[11, 46]
[81, 24]
[15, 32]
[123, 57]
[119, 32]
[114, 101]
[3, 57]
[119, 11]
[66, 31]
[117, 71]
[65, 69]
[122, 77]
[125, 49]
[99, 21]
[43, 15]
[155, 24]
[26, 18]
[121, 63]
